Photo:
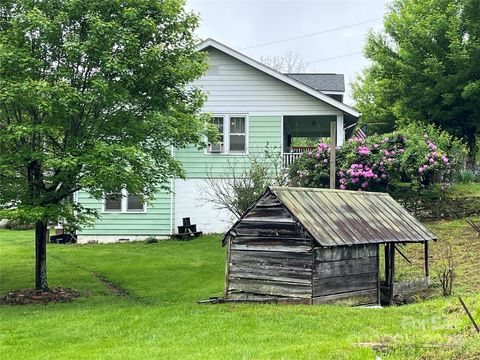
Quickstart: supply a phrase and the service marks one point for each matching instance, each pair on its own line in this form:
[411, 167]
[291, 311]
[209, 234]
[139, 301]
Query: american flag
[360, 133]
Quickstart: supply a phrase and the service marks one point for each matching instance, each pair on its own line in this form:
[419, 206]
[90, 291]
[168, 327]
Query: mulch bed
[32, 296]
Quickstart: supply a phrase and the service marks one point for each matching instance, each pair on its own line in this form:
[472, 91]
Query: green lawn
[162, 319]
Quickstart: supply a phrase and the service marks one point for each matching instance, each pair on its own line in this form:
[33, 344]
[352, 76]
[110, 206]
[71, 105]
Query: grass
[162, 319]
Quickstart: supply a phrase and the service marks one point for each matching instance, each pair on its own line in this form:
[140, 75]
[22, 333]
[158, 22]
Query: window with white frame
[232, 134]
[217, 146]
[237, 134]
[124, 202]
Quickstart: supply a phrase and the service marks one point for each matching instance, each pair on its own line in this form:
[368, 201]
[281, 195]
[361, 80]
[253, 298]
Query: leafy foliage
[418, 154]
[425, 67]
[92, 96]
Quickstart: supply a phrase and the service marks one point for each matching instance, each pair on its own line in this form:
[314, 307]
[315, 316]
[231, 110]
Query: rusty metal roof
[340, 217]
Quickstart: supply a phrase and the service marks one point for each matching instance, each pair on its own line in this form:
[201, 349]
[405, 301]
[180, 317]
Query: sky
[244, 24]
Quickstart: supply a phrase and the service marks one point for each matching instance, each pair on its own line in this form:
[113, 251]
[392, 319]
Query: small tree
[93, 95]
[243, 182]
[446, 270]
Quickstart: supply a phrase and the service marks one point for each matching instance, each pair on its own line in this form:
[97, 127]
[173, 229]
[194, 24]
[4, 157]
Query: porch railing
[295, 153]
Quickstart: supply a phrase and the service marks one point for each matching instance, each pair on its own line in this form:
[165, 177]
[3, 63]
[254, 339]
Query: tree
[93, 95]
[289, 62]
[425, 67]
[244, 181]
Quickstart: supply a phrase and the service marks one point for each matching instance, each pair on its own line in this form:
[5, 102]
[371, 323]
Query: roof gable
[282, 77]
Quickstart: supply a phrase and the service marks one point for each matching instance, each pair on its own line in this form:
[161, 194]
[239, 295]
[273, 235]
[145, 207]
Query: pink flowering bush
[419, 155]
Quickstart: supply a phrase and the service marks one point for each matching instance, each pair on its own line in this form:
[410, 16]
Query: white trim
[104, 239]
[124, 205]
[282, 138]
[340, 130]
[295, 113]
[257, 65]
[328, 92]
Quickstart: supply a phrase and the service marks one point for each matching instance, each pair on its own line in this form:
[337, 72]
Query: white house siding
[190, 202]
[235, 87]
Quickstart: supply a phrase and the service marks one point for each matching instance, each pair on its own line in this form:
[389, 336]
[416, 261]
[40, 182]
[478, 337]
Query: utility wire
[311, 34]
[334, 57]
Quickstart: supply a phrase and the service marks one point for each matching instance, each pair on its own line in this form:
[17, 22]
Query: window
[113, 202]
[217, 147]
[237, 134]
[232, 134]
[135, 202]
[124, 202]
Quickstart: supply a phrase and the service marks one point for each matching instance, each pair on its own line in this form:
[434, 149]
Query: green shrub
[465, 177]
[420, 155]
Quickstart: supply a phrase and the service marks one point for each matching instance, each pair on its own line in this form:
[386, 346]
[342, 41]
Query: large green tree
[425, 67]
[93, 95]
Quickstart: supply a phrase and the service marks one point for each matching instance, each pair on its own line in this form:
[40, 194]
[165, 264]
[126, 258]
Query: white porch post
[340, 130]
[333, 146]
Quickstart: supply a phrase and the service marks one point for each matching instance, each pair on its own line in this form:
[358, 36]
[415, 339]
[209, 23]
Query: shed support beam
[392, 272]
[427, 267]
[333, 148]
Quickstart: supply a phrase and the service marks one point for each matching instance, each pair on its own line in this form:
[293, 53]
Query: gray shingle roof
[321, 82]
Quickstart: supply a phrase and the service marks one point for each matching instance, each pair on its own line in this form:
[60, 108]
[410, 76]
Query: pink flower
[325, 161]
[386, 152]
[431, 161]
[365, 184]
[445, 159]
[363, 150]
[343, 187]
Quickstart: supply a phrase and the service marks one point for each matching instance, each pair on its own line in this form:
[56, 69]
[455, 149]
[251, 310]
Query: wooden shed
[304, 245]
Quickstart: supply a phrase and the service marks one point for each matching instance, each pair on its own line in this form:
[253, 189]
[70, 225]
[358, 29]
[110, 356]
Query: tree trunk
[41, 255]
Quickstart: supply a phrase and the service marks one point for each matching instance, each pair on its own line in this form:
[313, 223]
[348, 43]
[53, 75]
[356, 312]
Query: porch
[301, 134]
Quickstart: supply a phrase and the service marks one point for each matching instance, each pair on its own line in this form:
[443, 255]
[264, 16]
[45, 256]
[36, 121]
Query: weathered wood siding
[268, 255]
[347, 274]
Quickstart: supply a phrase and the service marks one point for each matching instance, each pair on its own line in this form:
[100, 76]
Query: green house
[254, 107]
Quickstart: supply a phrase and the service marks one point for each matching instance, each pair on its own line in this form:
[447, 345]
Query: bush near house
[413, 164]
[417, 154]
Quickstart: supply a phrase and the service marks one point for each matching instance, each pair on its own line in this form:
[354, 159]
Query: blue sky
[241, 24]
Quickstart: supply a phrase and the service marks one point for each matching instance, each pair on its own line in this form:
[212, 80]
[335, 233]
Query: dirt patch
[114, 288]
[33, 297]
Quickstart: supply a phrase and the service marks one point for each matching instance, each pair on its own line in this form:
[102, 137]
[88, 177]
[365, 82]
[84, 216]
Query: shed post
[333, 147]
[427, 268]
[392, 273]
[378, 276]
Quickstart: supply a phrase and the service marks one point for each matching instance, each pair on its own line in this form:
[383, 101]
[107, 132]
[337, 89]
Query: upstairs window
[124, 202]
[217, 146]
[232, 134]
[237, 134]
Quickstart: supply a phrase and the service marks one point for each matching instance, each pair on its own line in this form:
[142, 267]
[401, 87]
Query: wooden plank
[257, 228]
[266, 287]
[272, 240]
[264, 299]
[345, 267]
[270, 247]
[275, 273]
[271, 258]
[336, 285]
[268, 276]
[345, 252]
[354, 298]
